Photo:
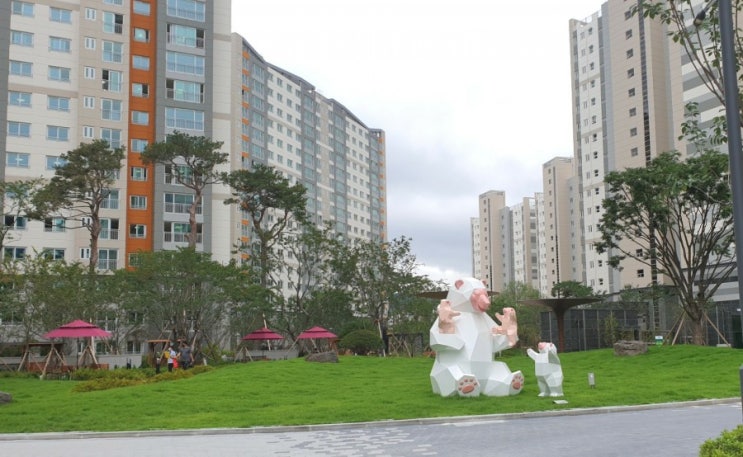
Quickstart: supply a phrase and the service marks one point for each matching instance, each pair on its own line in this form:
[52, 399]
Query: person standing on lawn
[185, 357]
[171, 354]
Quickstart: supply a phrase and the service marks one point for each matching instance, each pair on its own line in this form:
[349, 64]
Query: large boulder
[330, 356]
[630, 348]
[5, 398]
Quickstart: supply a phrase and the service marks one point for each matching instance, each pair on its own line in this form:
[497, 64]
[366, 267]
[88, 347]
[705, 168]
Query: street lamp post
[732, 116]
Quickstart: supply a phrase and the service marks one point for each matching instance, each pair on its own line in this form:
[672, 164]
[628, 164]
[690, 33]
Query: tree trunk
[698, 335]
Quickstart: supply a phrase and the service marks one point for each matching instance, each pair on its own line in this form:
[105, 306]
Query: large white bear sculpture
[465, 339]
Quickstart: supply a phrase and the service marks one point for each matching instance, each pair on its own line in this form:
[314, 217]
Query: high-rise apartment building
[561, 227]
[624, 115]
[133, 71]
[494, 222]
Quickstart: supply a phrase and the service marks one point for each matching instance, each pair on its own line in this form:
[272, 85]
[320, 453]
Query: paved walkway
[674, 429]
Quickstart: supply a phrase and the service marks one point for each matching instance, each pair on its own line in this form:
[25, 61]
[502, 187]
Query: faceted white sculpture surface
[547, 369]
[465, 339]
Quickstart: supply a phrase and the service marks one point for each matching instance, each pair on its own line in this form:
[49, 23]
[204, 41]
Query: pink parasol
[263, 334]
[77, 329]
[316, 333]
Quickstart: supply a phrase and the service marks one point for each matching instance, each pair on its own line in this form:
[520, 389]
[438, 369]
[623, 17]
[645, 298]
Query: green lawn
[358, 389]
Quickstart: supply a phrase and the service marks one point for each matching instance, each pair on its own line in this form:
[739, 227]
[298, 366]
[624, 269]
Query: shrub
[361, 341]
[728, 444]
[105, 384]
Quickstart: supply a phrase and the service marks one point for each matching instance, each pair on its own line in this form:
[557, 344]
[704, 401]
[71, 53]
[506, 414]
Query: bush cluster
[361, 342]
[728, 444]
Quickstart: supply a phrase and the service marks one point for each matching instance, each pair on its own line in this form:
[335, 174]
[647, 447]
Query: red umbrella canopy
[315, 333]
[263, 334]
[77, 329]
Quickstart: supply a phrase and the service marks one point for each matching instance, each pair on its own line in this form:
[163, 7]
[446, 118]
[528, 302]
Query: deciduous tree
[674, 216]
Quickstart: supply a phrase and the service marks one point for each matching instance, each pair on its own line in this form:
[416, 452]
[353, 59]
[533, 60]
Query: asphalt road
[663, 430]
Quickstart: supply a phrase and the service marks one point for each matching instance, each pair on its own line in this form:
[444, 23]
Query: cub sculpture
[547, 369]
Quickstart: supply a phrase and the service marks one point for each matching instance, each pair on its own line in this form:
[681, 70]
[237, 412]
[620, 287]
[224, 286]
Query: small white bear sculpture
[465, 339]
[547, 369]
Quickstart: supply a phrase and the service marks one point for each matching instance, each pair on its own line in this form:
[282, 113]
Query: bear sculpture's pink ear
[458, 283]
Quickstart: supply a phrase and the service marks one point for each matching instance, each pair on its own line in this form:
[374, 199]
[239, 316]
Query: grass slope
[358, 389]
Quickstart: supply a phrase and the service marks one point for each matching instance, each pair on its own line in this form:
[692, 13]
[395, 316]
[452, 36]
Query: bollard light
[591, 380]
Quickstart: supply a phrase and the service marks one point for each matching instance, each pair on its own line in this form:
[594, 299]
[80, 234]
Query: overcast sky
[473, 95]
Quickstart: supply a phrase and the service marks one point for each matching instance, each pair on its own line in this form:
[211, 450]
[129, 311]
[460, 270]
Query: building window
[20, 38]
[89, 43]
[23, 8]
[90, 14]
[111, 199]
[140, 90]
[183, 35]
[60, 15]
[54, 162]
[137, 231]
[114, 2]
[185, 63]
[632, 112]
[113, 52]
[113, 23]
[89, 72]
[19, 98]
[141, 62]
[89, 102]
[631, 92]
[630, 53]
[113, 136]
[54, 224]
[630, 72]
[138, 202]
[21, 129]
[184, 91]
[57, 133]
[641, 273]
[628, 34]
[18, 68]
[141, 35]
[57, 103]
[194, 10]
[109, 229]
[186, 119]
[107, 259]
[110, 109]
[15, 222]
[59, 74]
[633, 152]
[14, 253]
[111, 80]
[57, 44]
[88, 131]
[138, 174]
[633, 131]
[140, 117]
[138, 145]
[142, 8]
[53, 253]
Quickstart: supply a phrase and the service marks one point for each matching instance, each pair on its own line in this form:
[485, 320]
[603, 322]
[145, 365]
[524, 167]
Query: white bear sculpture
[465, 339]
[547, 369]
